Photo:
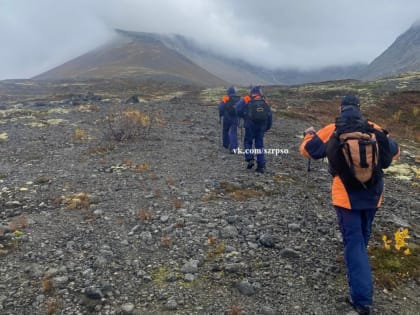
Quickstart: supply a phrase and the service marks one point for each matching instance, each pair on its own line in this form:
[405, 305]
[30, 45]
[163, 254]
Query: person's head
[350, 102]
[350, 106]
[256, 90]
[230, 90]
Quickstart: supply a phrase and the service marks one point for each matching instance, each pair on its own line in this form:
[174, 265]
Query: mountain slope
[140, 55]
[231, 70]
[402, 56]
[142, 58]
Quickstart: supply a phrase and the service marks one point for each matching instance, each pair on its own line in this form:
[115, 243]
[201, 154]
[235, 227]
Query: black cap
[350, 100]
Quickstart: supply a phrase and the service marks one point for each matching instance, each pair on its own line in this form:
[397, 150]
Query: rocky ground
[172, 223]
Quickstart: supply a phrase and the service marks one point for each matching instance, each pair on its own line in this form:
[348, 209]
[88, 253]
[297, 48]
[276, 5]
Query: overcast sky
[36, 35]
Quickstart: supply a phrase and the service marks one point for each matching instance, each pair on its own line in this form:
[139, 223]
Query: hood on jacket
[231, 91]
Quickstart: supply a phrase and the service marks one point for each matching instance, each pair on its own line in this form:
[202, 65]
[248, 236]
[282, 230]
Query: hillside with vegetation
[117, 198]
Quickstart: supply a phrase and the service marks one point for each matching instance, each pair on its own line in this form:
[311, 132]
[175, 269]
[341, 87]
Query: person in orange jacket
[355, 206]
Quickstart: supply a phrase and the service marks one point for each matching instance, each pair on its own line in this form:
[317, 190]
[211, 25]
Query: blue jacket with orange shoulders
[314, 147]
[242, 110]
[231, 96]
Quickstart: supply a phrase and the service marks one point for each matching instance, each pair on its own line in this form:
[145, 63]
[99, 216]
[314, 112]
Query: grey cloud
[274, 33]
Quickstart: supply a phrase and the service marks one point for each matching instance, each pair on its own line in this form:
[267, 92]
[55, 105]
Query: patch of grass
[398, 113]
[14, 227]
[4, 136]
[88, 108]
[101, 149]
[235, 309]
[124, 123]
[244, 194]
[46, 284]
[295, 115]
[130, 165]
[165, 241]
[42, 180]
[142, 167]
[402, 171]
[234, 191]
[282, 178]
[160, 275]
[79, 135]
[80, 200]
[217, 249]
[170, 181]
[144, 215]
[52, 305]
[177, 203]
[392, 268]
[239, 193]
[209, 196]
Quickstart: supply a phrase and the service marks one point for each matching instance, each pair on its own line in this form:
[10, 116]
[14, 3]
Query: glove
[309, 130]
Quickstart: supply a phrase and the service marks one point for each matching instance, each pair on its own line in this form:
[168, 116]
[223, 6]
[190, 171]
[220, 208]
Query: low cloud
[39, 35]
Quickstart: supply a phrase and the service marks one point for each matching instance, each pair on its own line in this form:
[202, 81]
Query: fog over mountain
[402, 56]
[284, 34]
[140, 56]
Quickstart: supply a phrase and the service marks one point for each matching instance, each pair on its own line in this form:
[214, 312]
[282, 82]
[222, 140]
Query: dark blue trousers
[356, 227]
[230, 133]
[254, 136]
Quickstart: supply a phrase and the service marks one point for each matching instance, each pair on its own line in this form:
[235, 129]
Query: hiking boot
[250, 164]
[260, 169]
[360, 309]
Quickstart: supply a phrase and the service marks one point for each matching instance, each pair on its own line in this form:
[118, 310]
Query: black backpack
[357, 153]
[258, 111]
[230, 104]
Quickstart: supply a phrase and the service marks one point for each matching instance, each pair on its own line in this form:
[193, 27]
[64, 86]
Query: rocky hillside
[170, 223]
[402, 56]
[142, 57]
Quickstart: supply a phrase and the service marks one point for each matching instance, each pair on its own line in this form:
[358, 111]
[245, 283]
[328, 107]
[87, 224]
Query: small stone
[289, 253]
[229, 232]
[127, 308]
[190, 267]
[267, 310]
[267, 241]
[171, 305]
[294, 227]
[164, 218]
[60, 282]
[189, 277]
[253, 245]
[93, 293]
[146, 236]
[246, 288]
[98, 212]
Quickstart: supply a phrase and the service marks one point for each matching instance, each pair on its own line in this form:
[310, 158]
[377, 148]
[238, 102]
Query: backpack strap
[363, 157]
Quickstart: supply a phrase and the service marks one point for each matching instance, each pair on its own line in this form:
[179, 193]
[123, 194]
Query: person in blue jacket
[258, 119]
[355, 205]
[230, 119]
